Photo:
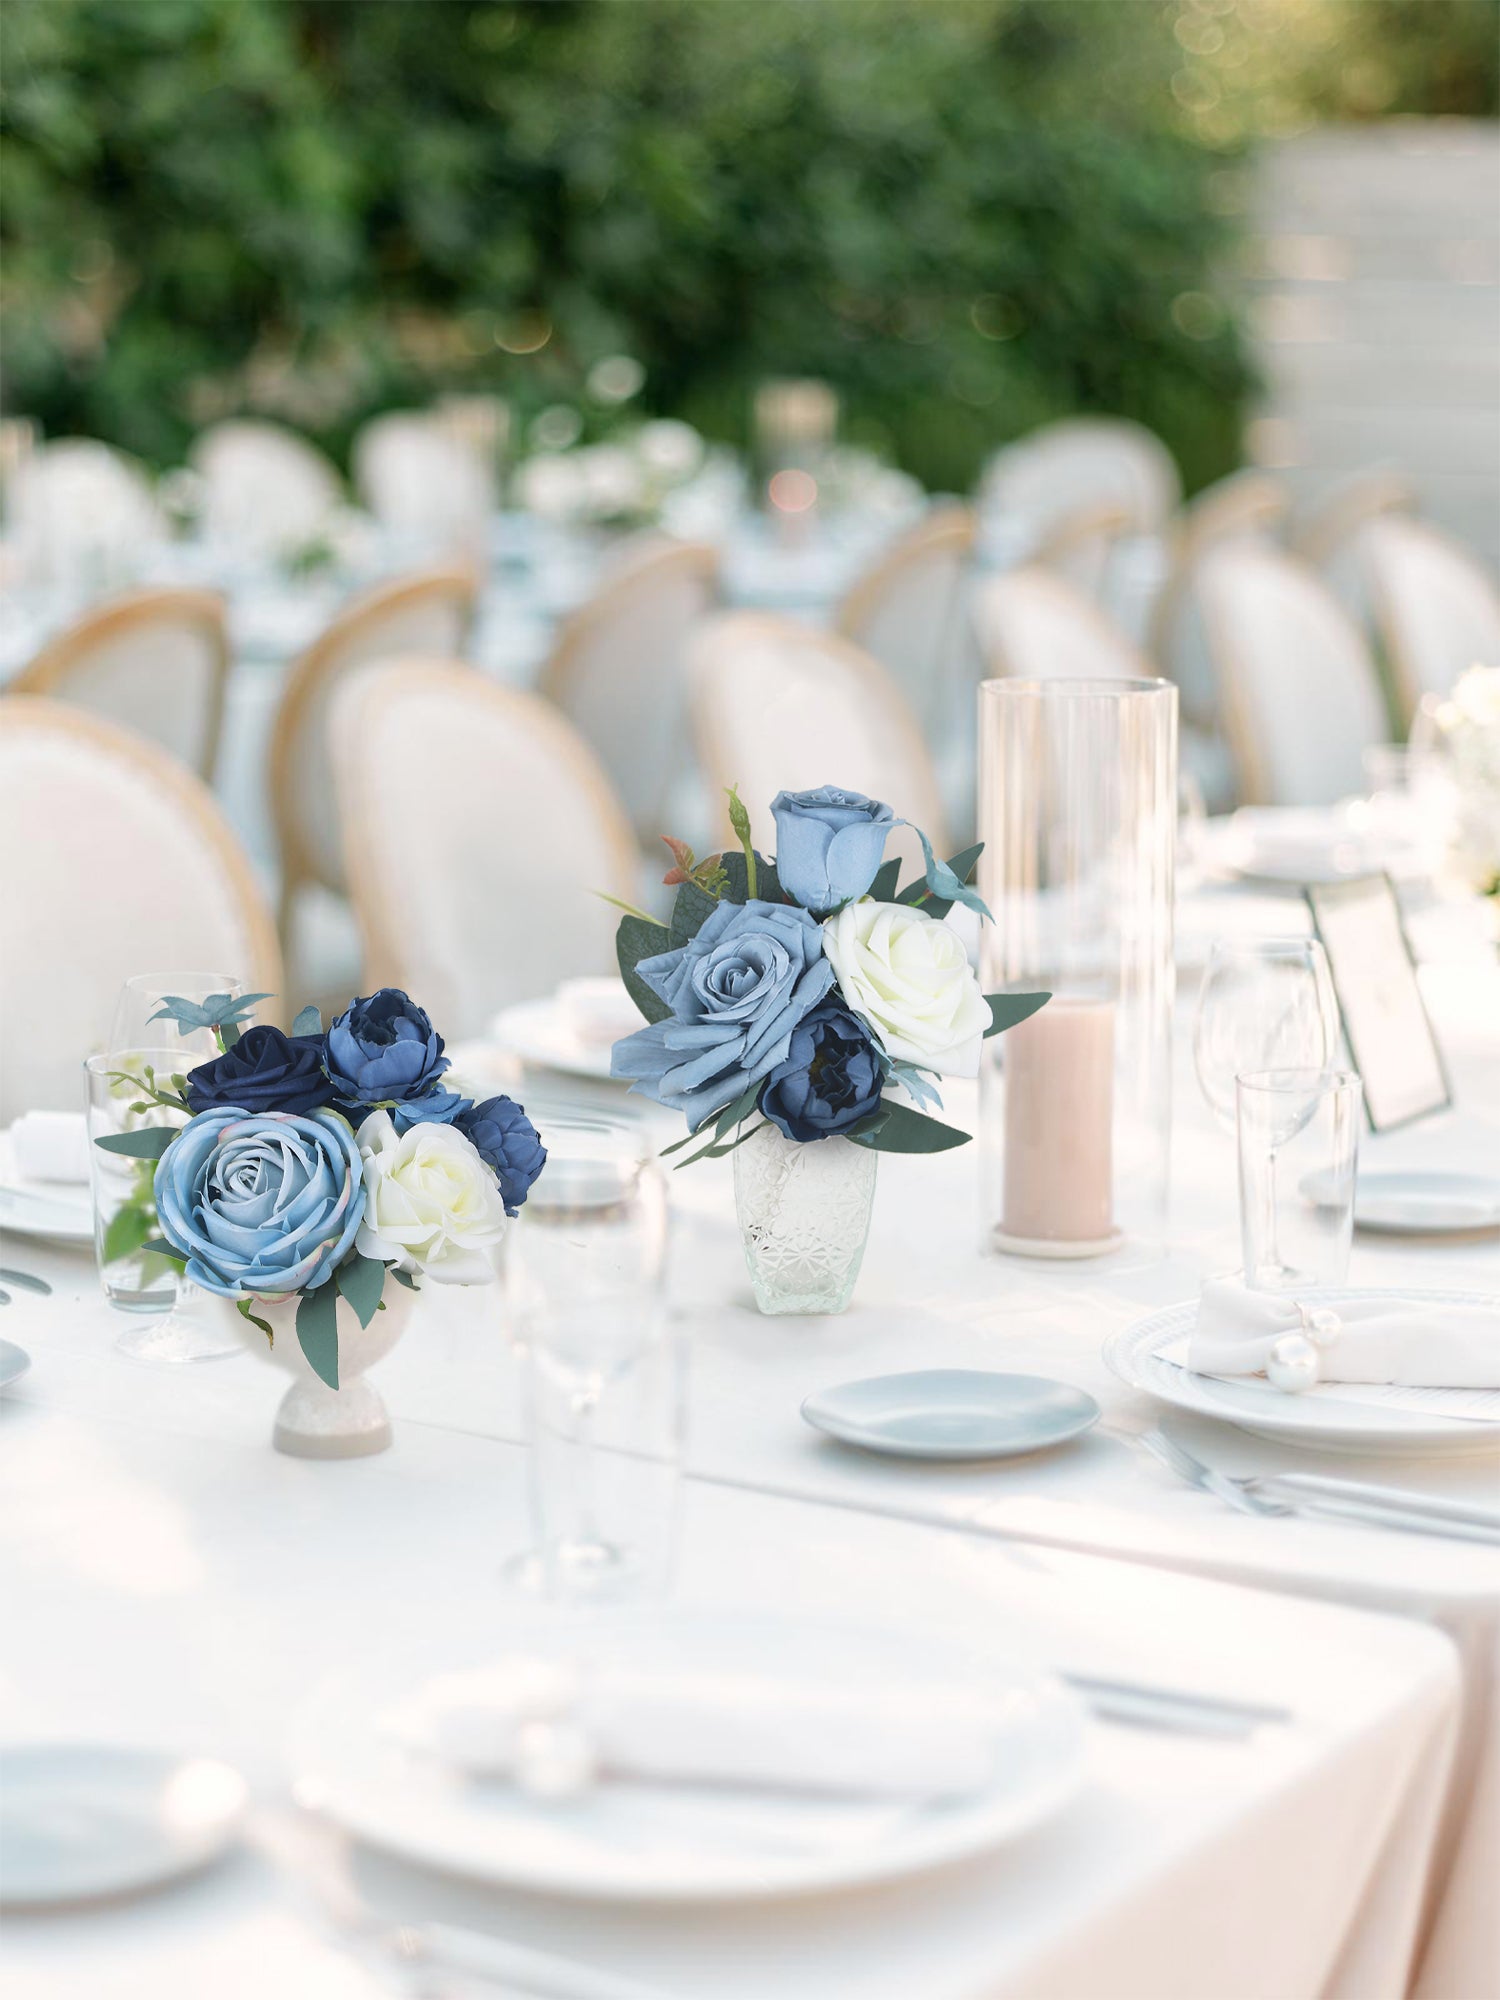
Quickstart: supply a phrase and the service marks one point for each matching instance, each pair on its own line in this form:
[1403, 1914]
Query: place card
[1390, 1037]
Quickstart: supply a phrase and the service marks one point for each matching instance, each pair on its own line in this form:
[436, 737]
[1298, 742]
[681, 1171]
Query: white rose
[908, 975]
[431, 1203]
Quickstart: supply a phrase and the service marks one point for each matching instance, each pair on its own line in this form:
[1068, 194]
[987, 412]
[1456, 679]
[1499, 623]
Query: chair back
[430, 614]
[616, 671]
[1299, 694]
[1083, 462]
[266, 490]
[84, 515]
[907, 609]
[1246, 503]
[117, 861]
[1036, 626]
[777, 705]
[1436, 608]
[474, 868]
[424, 485]
[155, 660]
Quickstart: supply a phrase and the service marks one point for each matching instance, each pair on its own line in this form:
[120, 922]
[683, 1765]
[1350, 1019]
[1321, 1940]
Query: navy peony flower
[736, 990]
[383, 1050]
[829, 844]
[831, 1078]
[507, 1141]
[264, 1070]
[265, 1204]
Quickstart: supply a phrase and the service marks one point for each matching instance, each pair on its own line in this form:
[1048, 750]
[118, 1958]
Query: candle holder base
[1054, 1246]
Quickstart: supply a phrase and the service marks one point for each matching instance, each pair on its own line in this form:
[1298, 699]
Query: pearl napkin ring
[1295, 1362]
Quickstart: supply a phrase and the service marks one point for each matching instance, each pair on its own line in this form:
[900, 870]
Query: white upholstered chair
[84, 514]
[780, 706]
[116, 861]
[907, 609]
[1083, 462]
[266, 490]
[428, 614]
[1326, 528]
[616, 671]
[1436, 607]
[1300, 695]
[475, 866]
[155, 660]
[423, 484]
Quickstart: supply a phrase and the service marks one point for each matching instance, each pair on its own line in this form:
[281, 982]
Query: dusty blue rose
[736, 991]
[831, 1078]
[265, 1202]
[829, 844]
[383, 1050]
[507, 1141]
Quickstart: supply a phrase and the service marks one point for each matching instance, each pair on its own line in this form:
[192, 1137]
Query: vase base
[772, 1303]
[1056, 1247]
[317, 1422]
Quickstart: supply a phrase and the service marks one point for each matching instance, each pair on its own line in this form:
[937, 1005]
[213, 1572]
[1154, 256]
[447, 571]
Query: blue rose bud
[507, 1141]
[265, 1203]
[383, 1050]
[829, 845]
[831, 1078]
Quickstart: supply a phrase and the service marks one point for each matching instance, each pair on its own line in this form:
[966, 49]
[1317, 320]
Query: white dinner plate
[538, 1032]
[1426, 1204]
[51, 1211]
[628, 1841]
[14, 1361]
[90, 1819]
[1295, 847]
[952, 1413]
[1320, 1417]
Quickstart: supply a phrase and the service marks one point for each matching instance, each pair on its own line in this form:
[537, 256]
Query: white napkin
[51, 1146]
[928, 1738]
[1406, 1341]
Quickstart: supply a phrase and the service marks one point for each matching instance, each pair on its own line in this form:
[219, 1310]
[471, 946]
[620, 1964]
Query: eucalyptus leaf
[158, 1246]
[242, 1306]
[768, 888]
[1007, 1009]
[148, 1144]
[903, 1130]
[887, 875]
[943, 885]
[361, 1280]
[402, 1278]
[318, 1331]
[308, 1022]
[915, 1084]
[691, 911]
[636, 939]
[720, 1148]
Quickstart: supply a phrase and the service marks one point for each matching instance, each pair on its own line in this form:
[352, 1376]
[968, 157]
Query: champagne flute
[1265, 1003]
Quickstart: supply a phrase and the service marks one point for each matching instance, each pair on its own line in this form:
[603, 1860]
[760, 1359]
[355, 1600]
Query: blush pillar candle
[1059, 1115]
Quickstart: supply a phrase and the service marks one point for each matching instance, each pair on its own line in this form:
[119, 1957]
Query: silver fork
[1270, 1496]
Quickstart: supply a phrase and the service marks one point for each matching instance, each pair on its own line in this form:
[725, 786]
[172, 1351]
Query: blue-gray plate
[952, 1413]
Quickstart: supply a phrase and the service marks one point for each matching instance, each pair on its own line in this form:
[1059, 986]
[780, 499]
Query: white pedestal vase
[804, 1215]
[313, 1420]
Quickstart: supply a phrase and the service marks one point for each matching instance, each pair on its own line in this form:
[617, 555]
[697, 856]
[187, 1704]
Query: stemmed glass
[586, 1281]
[1265, 1003]
[135, 1279]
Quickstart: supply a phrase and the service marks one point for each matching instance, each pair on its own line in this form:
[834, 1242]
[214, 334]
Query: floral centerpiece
[318, 1179]
[1468, 725]
[803, 1008]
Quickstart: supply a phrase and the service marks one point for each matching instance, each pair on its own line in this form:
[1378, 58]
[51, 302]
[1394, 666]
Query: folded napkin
[931, 1737]
[1411, 1342]
[51, 1146]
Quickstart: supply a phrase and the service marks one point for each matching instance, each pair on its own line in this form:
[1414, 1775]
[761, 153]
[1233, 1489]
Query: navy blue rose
[265, 1070]
[383, 1050]
[506, 1140]
[831, 1078]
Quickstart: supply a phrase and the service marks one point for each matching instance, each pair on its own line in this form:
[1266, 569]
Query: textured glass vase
[804, 1215]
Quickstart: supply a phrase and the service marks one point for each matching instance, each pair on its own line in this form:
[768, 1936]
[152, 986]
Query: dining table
[172, 1581]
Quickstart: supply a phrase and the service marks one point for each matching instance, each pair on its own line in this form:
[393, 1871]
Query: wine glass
[1266, 1003]
[585, 1275]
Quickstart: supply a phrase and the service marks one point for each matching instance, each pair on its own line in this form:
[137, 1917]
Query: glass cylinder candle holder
[1078, 813]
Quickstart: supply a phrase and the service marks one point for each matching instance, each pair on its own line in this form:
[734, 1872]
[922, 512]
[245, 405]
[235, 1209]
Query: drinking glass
[141, 998]
[604, 1377]
[1265, 1003]
[135, 1279]
[1299, 1152]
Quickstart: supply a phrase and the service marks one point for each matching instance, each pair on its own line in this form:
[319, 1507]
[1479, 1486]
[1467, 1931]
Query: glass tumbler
[1299, 1154]
[1078, 813]
[135, 1026]
[604, 1374]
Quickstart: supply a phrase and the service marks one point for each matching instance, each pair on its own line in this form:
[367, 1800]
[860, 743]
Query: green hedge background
[971, 215]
